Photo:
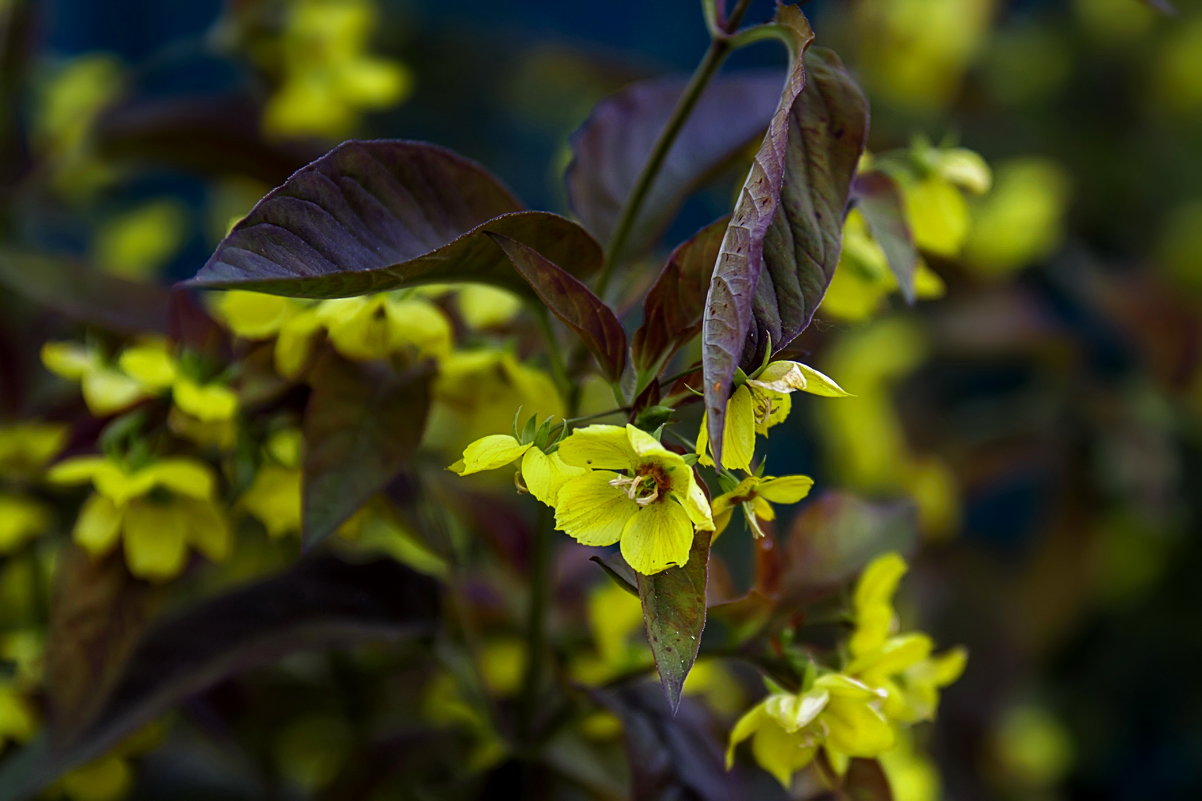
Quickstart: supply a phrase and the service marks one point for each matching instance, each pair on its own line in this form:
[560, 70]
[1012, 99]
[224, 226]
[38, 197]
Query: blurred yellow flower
[837, 713]
[157, 511]
[27, 446]
[21, 519]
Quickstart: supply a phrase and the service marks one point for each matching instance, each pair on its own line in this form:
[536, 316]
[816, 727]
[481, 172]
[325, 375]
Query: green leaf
[674, 616]
[320, 603]
[373, 216]
[85, 295]
[879, 199]
[363, 421]
[672, 308]
[610, 149]
[782, 245]
[573, 303]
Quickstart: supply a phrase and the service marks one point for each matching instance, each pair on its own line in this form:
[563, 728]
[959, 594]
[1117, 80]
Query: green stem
[559, 370]
[718, 49]
[536, 624]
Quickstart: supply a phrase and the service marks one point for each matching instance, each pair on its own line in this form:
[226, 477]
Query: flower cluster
[889, 681]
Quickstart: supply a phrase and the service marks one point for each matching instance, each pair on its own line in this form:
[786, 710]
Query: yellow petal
[544, 474]
[358, 327]
[274, 499]
[20, 520]
[879, 581]
[599, 447]
[656, 537]
[150, 364]
[208, 530]
[484, 306]
[964, 168]
[785, 489]
[793, 712]
[780, 376]
[937, 214]
[418, 324]
[254, 315]
[746, 726]
[738, 433]
[105, 779]
[856, 728]
[78, 469]
[591, 510]
[821, 384]
[692, 498]
[894, 656]
[155, 540]
[771, 408]
[106, 391]
[98, 525]
[295, 343]
[208, 403]
[489, 453]
[780, 753]
[18, 720]
[184, 476]
[69, 359]
[644, 444]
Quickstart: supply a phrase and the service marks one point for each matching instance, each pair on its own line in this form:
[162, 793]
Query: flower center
[649, 484]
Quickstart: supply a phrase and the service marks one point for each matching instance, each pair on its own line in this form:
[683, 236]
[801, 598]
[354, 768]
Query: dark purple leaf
[782, 245]
[612, 146]
[320, 603]
[672, 309]
[879, 199]
[219, 135]
[98, 612]
[84, 294]
[373, 216]
[672, 755]
[573, 303]
[363, 421]
[618, 571]
[674, 616]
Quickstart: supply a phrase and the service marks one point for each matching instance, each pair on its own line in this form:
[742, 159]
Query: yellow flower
[635, 492]
[26, 446]
[106, 390]
[758, 405]
[900, 666]
[18, 719]
[21, 520]
[359, 328]
[756, 495]
[837, 713]
[157, 511]
[541, 473]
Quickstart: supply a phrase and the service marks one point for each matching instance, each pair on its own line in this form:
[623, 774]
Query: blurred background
[1042, 402]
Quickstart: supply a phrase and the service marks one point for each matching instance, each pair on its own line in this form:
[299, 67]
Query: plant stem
[559, 370]
[536, 623]
[714, 55]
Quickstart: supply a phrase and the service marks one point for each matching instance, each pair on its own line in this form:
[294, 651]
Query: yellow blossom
[543, 474]
[762, 402]
[837, 713]
[21, 519]
[27, 446]
[157, 511]
[756, 495]
[900, 666]
[635, 492]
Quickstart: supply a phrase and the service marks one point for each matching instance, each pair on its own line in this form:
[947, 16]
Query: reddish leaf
[372, 216]
[362, 423]
[319, 603]
[782, 245]
[674, 616]
[672, 309]
[573, 303]
[613, 145]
